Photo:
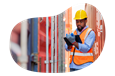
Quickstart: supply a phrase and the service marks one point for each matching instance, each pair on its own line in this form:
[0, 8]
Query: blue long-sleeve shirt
[83, 48]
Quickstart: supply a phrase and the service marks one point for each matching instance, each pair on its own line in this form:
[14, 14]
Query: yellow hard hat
[80, 14]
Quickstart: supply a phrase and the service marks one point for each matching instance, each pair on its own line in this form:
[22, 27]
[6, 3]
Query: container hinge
[34, 58]
[46, 62]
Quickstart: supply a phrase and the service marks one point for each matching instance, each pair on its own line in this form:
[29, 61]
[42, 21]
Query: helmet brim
[79, 18]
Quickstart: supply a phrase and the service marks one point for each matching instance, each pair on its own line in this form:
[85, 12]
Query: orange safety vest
[80, 57]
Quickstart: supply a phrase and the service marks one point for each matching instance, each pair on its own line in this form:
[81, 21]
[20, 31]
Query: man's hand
[69, 47]
[76, 44]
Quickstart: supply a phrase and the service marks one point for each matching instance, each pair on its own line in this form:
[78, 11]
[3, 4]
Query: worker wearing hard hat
[81, 54]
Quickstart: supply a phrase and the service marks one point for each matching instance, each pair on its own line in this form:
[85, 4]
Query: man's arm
[76, 44]
[89, 41]
[68, 48]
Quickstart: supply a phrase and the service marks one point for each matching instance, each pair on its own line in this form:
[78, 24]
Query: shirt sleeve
[66, 47]
[89, 41]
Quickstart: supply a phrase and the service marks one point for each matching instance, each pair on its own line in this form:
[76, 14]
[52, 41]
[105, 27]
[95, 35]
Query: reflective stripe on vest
[82, 54]
[87, 32]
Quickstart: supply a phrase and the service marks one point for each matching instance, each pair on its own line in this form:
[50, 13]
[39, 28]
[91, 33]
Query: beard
[80, 29]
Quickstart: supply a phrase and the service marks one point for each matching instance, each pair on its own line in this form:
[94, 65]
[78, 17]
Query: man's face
[81, 24]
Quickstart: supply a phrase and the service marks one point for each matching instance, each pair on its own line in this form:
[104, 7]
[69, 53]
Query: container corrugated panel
[15, 39]
[70, 18]
[101, 49]
[88, 14]
[95, 21]
[57, 43]
[67, 18]
[97, 35]
[15, 34]
[68, 29]
[42, 45]
[39, 59]
[98, 40]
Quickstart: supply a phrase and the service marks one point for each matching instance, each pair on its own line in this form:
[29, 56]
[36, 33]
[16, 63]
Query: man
[81, 54]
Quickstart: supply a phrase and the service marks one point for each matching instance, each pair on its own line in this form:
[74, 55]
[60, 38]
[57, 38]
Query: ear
[85, 21]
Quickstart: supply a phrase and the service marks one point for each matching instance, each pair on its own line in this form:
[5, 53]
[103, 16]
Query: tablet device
[77, 39]
[67, 41]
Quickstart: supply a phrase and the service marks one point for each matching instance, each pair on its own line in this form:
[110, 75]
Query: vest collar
[82, 30]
